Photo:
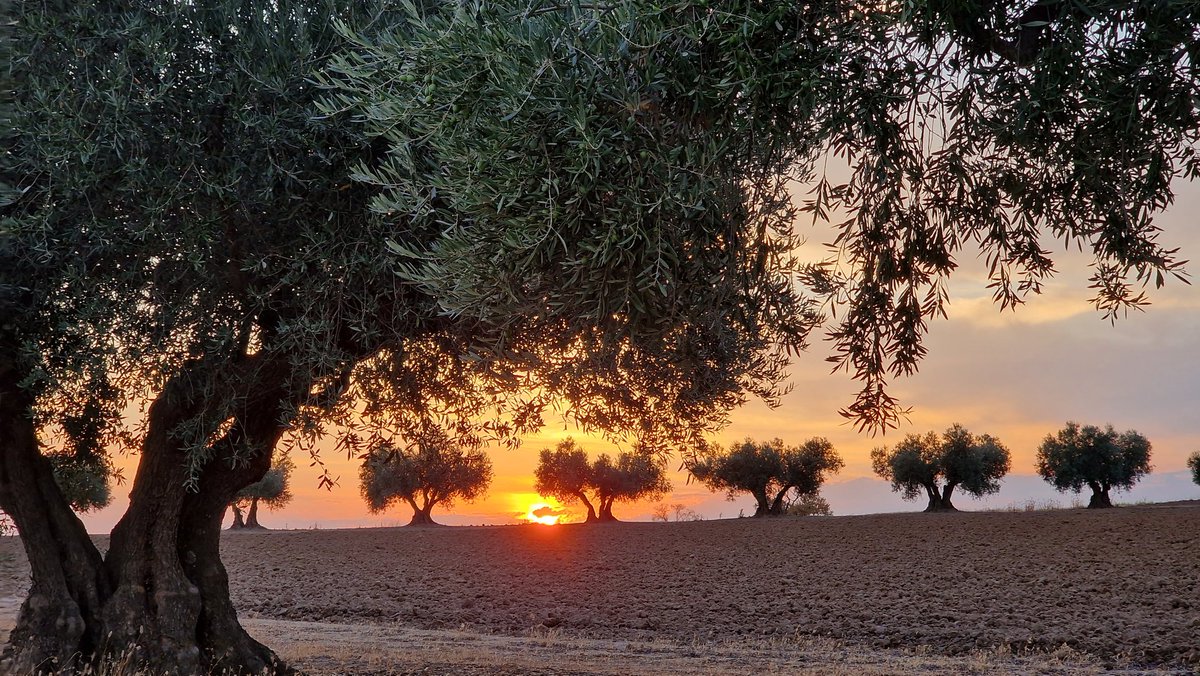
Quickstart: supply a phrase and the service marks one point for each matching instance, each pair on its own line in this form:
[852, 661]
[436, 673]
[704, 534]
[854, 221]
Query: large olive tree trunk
[154, 605]
[160, 598]
[241, 458]
[422, 514]
[60, 617]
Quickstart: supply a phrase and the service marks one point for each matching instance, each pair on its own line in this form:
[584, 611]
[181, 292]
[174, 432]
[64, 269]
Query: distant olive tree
[273, 490]
[938, 465]
[1100, 459]
[769, 471]
[1193, 463]
[567, 475]
[433, 471]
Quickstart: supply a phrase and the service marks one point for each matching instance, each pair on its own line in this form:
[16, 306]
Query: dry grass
[322, 648]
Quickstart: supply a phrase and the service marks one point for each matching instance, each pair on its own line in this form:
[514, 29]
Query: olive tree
[771, 472]
[172, 183]
[1193, 463]
[1100, 459]
[431, 472]
[585, 202]
[992, 126]
[937, 465]
[567, 475]
[274, 490]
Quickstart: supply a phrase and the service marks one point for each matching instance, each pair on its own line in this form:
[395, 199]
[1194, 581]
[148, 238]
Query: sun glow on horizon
[543, 513]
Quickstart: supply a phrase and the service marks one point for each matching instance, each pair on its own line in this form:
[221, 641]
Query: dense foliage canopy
[1193, 463]
[773, 473]
[1100, 459]
[939, 465]
[614, 144]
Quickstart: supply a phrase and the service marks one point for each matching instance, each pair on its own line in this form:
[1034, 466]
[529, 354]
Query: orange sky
[1017, 376]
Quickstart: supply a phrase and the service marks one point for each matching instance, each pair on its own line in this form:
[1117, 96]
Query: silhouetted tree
[938, 465]
[1193, 463]
[273, 490]
[433, 471]
[632, 476]
[1100, 459]
[769, 471]
[567, 475]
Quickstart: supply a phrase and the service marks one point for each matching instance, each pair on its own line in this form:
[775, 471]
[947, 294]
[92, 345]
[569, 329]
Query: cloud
[547, 510]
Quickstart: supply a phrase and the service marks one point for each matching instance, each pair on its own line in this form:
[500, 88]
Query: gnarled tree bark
[59, 619]
[241, 457]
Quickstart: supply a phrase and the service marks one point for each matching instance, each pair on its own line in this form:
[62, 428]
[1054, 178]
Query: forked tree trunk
[160, 599]
[938, 502]
[422, 516]
[606, 515]
[59, 619]
[1100, 498]
[252, 514]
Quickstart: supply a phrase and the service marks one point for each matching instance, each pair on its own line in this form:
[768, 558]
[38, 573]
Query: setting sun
[542, 513]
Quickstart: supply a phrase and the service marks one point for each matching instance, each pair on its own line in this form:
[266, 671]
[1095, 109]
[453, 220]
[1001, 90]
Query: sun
[540, 512]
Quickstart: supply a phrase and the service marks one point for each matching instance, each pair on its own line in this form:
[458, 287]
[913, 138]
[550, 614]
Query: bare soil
[1065, 591]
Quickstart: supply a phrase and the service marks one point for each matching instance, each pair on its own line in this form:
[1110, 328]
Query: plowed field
[1120, 587]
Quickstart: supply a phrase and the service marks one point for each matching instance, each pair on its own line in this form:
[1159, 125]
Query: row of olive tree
[218, 183]
[436, 471]
[1071, 459]
[782, 479]
[778, 476]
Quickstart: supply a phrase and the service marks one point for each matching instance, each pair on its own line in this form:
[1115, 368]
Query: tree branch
[1032, 31]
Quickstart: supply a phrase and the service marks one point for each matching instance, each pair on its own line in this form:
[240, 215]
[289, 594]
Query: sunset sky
[1017, 376]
